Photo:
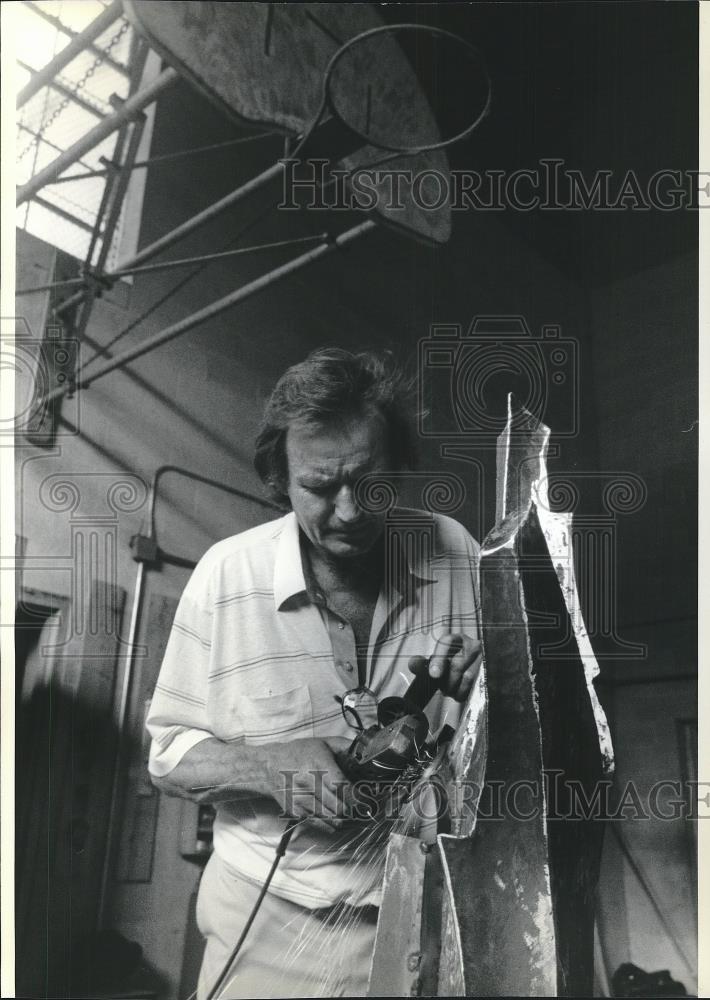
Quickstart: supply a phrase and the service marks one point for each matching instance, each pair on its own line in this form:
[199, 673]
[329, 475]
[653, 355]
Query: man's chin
[351, 545]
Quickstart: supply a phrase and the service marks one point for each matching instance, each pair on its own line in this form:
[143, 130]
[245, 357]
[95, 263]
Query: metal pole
[66, 92]
[175, 235]
[168, 157]
[66, 30]
[62, 213]
[97, 134]
[132, 642]
[220, 306]
[198, 220]
[166, 265]
[109, 186]
[108, 214]
[119, 191]
[125, 691]
[179, 470]
[182, 230]
[77, 45]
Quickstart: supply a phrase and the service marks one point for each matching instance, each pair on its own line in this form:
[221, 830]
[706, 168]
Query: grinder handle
[421, 691]
[424, 687]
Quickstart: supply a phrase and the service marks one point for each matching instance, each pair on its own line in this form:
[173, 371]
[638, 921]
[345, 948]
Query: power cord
[280, 851]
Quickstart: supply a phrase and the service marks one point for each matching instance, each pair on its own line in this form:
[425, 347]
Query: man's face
[324, 465]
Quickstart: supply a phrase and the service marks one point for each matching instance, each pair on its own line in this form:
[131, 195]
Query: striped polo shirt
[256, 656]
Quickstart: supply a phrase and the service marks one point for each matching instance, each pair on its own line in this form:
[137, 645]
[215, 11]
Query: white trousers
[290, 951]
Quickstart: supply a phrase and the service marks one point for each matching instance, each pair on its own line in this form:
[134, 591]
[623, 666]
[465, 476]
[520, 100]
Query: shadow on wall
[65, 745]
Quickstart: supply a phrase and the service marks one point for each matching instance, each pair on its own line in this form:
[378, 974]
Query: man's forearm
[213, 771]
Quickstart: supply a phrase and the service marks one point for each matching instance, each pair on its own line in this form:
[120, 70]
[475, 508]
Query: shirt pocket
[285, 715]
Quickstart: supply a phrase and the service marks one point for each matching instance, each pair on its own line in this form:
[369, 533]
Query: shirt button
[341, 624]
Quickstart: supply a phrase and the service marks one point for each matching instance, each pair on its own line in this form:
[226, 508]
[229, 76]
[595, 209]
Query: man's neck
[359, 574]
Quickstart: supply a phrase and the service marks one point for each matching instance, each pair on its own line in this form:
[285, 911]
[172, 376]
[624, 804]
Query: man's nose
[346, 509]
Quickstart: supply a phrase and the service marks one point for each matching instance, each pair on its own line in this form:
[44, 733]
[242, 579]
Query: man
[279, 629]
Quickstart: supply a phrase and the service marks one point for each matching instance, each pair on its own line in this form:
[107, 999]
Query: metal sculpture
[501, 901]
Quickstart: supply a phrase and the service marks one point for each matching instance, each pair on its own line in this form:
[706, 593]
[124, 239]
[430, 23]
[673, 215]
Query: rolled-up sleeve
[178, 715]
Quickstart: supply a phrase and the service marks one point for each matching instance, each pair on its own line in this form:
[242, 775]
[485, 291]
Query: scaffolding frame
[95, 278]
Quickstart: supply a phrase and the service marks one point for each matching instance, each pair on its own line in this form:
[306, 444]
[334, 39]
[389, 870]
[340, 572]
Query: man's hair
[330, 387]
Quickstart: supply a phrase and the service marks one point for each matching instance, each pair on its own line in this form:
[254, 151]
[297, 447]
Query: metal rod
[62, 213]
[44, 139]
[179, 470]
[127, 678]
[121, 741]
[106, 194]
[103, 229]
[201, 218]
[181, 284]
[97, 134]
[66, 92]
[66, 30]
[50, 287]
[171, 560]
[125, 150]
[164, 265]
[119, 192]
[69, 303]
[182, 230]
[166, 157]
[220, 306]
[72, 49]
[121, 268]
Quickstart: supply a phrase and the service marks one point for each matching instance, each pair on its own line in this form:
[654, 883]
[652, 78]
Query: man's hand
[304, 778]
[455, 664]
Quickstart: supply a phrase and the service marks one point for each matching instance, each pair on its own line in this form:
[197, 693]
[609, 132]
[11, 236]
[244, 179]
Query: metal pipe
[63, 214]
[215, 308]
[127, 678]
[66, 92]
[180, 231]
[42, 138]
[97, 134]
[70, 51]
[168, 157]
[66, 30]
[103, 229]
[119, 191]
[178, 470]
[166, 265]
[49, 287]
[128, 140]
[127, 266]
[121, 741]
[180, 561]
[201, 218]
[109, 186]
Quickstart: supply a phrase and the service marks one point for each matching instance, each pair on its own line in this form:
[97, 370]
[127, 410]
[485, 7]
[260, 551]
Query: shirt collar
[288, 566]
[291, 581]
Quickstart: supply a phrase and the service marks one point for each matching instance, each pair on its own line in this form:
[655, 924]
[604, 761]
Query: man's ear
[278, 490]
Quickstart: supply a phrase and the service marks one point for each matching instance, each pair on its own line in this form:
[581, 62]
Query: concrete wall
[645, 361]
